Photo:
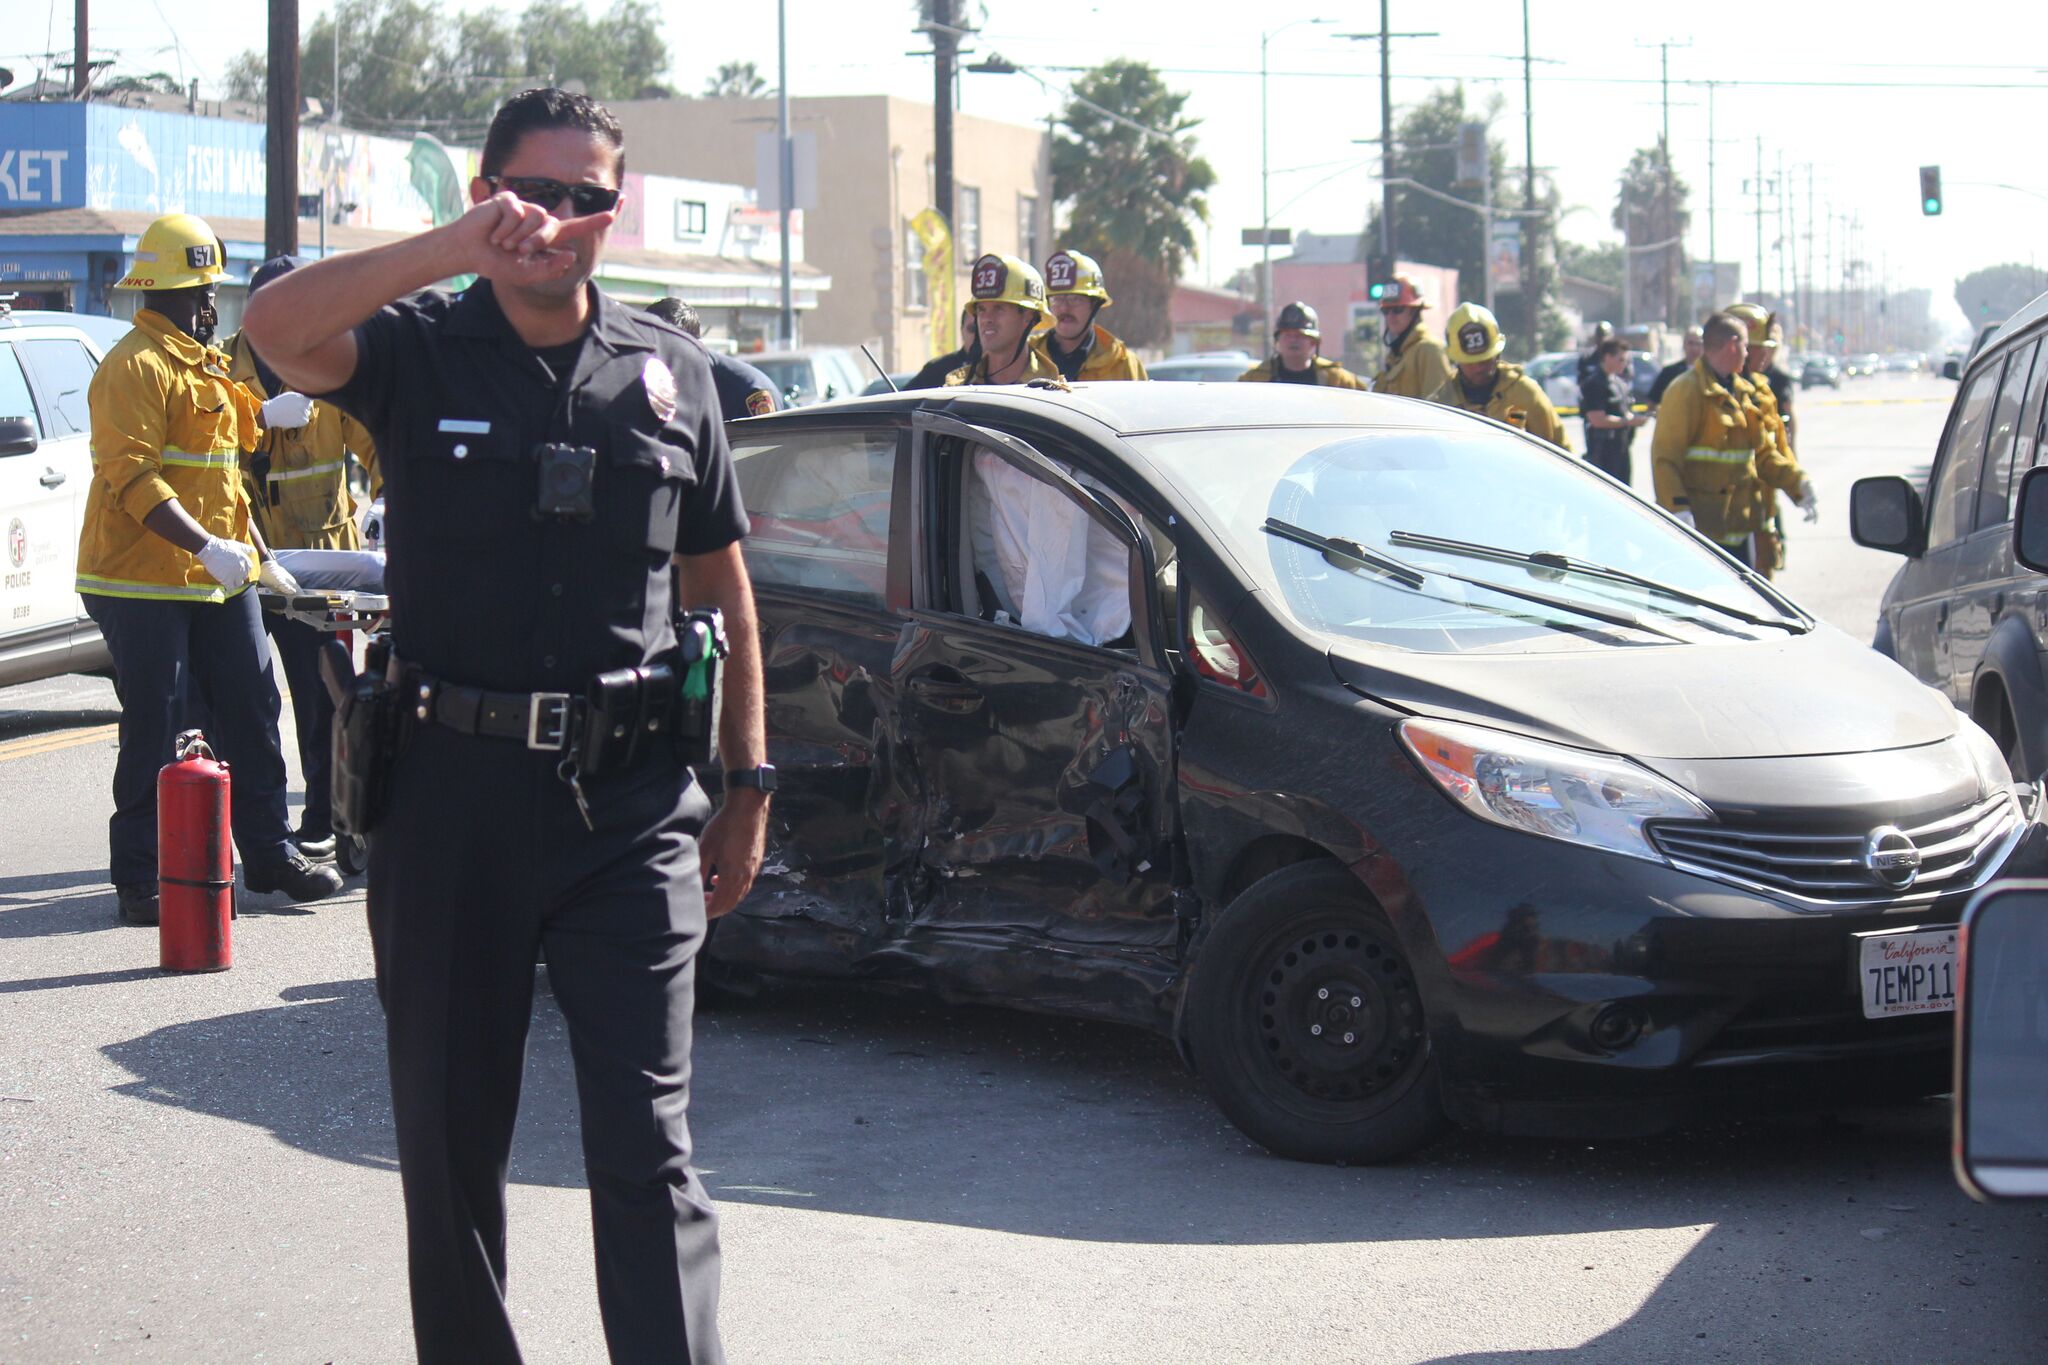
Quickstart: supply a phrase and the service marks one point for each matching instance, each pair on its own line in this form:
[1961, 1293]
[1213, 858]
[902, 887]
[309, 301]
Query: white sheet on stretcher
[334, 570]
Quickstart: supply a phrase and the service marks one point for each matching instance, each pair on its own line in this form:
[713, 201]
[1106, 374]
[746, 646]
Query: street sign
[1266, 237]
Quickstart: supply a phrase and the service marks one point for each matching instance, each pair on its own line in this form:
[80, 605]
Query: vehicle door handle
[946, 694]
[52, 477]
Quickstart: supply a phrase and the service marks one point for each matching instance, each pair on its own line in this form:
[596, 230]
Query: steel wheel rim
[1336, 1016]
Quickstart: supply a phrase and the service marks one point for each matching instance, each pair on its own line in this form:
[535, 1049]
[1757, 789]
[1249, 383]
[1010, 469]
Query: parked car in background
[46, 364]
[1960, 614]
[1902, 362]
[1359, 746]
[1820, 369]
[1557, 374]
[889, 384]
[1212, 367]
[815, 374]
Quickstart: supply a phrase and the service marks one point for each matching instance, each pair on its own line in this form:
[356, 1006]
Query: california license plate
[1912, 972]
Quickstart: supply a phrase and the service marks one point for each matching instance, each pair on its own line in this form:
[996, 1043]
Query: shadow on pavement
[42, 904]
[837, 1099]
[58, 983]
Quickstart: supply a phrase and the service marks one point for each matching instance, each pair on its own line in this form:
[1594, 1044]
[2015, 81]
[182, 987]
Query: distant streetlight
[1265, 176]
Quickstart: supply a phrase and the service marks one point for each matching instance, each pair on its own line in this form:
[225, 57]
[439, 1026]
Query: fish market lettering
[224, 170]
[31, 176]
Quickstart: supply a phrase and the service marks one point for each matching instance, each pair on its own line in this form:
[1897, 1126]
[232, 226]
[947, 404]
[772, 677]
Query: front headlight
[1994, 774]
[1570, 794]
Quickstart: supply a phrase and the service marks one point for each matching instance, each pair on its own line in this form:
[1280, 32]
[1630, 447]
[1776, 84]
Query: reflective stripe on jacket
[1703, 453]
[167, 422]
[302, 500]
[1108, 358]
[1328, 372]
[1417, 368]
[1517, 400]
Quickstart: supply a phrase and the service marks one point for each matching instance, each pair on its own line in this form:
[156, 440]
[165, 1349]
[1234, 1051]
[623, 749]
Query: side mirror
[2030, 521]
[18, 436]
[1884, 514]
[1951, 369]
[2001, 1105]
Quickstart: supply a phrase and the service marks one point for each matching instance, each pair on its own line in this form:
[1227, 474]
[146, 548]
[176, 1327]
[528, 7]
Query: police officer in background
[1076, 345]
[743, 391]
[549, 455]
[1483, 384]
[1693, 347]
[1297, 336]
[166, 557]
[1415, 364]
[1606, 406]
[933, 373]
[297, 482]
[1009, 301]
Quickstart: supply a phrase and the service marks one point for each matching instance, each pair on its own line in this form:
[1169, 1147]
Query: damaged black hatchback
[1401, 769]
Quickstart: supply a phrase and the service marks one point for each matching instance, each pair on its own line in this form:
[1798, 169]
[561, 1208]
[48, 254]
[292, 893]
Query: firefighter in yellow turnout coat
[1778, 469]
[1711, 442]
[1077, 346]
[1416, 365]
[166, 555]
[1297, 336]
[1485, 385]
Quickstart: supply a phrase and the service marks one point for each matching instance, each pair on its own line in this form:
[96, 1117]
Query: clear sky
[1864, 95]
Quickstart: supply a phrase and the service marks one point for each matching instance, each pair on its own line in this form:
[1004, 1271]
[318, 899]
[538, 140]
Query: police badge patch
[760, 403]
[660, 386]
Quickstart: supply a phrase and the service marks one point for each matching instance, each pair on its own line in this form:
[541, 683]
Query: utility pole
[281, 169]
[1389, 167]
[785, 157]
[1533, 281]
[1667, 217]
[1713, 245]
[81, 68]
[1784, 208]
[945, 57]
[1806, 314]
[1759, 215]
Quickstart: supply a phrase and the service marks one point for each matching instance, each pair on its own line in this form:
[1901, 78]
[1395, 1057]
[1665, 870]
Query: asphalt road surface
[201, 1168]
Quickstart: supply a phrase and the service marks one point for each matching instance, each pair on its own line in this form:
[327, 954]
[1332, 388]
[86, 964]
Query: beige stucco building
[874, 173]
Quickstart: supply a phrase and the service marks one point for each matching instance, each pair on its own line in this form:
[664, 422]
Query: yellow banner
[930, 227]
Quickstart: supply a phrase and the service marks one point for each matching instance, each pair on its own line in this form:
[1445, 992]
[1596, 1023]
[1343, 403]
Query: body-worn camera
[565, 477]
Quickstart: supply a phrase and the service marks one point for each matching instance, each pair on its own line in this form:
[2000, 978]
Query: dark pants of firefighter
[299, 647]
[482, 859]
[217, 653]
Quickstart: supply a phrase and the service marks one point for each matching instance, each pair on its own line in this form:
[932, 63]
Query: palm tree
[736, 81]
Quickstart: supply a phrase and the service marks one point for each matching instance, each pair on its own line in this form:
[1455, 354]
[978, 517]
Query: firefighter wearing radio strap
[1009, 303]
[1082, 349]
[1485, 385]
[166, 557]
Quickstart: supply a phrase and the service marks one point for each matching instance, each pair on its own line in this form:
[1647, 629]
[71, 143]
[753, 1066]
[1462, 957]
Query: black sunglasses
[548, 194]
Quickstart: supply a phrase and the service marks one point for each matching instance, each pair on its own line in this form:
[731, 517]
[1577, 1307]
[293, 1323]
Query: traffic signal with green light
[1930, 190]
[1379, 276]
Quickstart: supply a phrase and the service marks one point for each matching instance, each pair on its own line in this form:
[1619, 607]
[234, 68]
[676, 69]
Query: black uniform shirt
[1782, 389]
[1615, 396]
[1664, 378]
[743, 391]
[483, 591]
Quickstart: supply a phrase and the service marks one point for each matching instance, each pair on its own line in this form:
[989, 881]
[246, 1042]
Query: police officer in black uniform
[512, 586]
[743, 391]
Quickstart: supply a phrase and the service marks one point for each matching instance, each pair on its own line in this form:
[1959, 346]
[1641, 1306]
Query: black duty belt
[543, 721]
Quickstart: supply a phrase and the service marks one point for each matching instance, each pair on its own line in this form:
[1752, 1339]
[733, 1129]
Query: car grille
[1957, 853]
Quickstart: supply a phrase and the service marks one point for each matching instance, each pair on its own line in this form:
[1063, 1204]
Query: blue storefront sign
[102, 156]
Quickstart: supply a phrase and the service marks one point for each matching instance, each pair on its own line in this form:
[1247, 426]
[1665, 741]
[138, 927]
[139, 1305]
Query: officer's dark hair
[678, 314]
[1714, 333]
[1611, 346]
[532, 111]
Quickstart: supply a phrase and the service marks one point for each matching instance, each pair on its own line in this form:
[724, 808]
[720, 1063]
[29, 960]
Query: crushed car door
[1044, 759]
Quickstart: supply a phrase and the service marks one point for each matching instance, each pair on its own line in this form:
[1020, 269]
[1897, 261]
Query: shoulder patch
[759, 403]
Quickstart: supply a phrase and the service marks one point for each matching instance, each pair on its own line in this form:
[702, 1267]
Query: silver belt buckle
[547, 721]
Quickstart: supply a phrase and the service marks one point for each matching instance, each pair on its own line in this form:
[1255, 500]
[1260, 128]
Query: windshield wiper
[1351, 555]
[1551, 559]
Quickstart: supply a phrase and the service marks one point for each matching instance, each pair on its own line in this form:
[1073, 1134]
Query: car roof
[1127, 409]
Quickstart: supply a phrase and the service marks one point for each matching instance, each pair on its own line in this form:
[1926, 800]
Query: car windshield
[1391, 492]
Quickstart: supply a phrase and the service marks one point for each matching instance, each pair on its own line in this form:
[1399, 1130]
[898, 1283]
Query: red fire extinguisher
[195, 865]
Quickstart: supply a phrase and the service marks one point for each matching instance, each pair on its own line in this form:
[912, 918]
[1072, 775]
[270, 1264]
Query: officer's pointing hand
[519, 241]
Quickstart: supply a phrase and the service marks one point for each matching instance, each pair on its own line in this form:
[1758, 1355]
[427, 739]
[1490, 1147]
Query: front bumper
[1577, 993]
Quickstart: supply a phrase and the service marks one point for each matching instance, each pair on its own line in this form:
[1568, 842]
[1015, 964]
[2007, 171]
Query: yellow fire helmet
[1005, 279]
[1069, 272]
[177, 251]
[1757, 320]
[1473, 335]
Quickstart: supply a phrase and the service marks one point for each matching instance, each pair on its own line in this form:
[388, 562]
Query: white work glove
[287, 410]
[1684, 515]
[229, 561]
[1808, 502]
[277, 578]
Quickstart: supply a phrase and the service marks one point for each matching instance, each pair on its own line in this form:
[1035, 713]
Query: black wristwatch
[761, 779]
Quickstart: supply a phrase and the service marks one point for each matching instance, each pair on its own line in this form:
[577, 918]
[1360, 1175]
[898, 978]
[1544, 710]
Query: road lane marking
[28, 746]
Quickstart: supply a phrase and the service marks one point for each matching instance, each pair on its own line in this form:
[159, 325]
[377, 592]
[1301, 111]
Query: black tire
[1291, 955]
[351, 854]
